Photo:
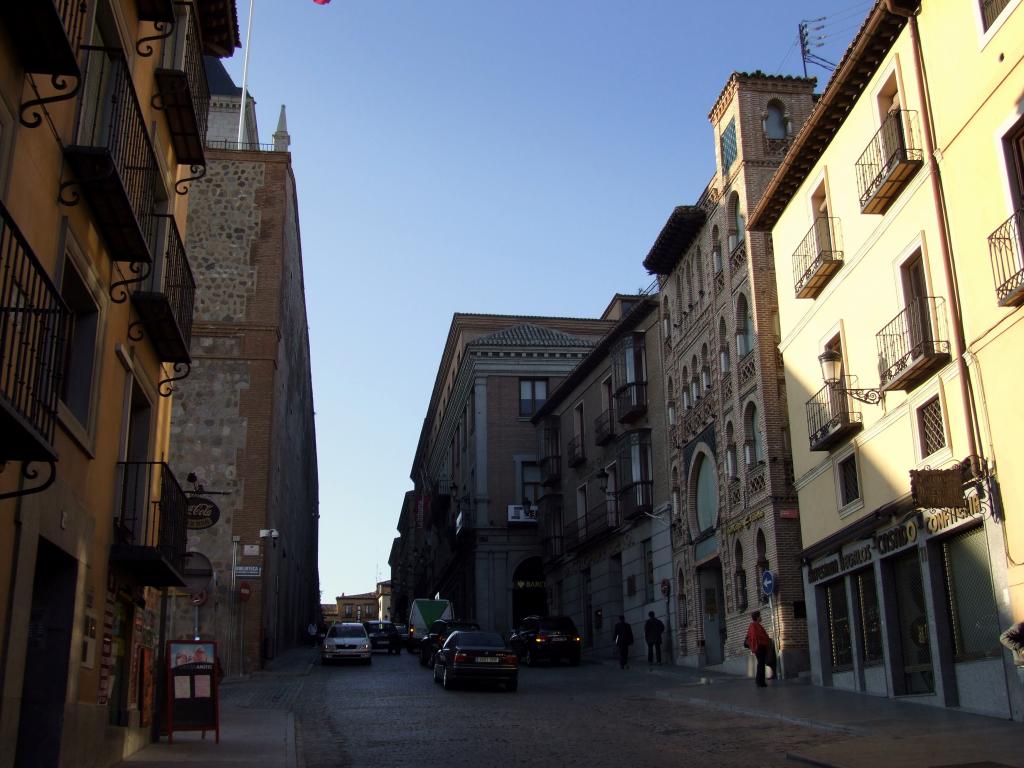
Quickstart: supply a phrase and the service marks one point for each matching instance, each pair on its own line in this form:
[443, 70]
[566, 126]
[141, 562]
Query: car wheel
[437, 678]
[447, 682]
[512, 686]
[530, 658]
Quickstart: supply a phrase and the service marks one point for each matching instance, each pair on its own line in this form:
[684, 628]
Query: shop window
[869, 616]
[839, 626]
[930, 427]
[915, 642]
[971, 603]
[849, 485]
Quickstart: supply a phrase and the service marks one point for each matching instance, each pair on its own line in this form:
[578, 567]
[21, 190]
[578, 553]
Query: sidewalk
[249, 738]
[872, 732]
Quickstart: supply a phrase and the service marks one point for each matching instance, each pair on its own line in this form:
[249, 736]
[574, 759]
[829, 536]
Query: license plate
[488, 659]
[558, 639]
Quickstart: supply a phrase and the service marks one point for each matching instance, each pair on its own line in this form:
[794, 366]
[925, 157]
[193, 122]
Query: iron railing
[575, 453]
[72, 14]
[817, 258]
[111, 119]
[919, 331]
[631, 400]
[244, 146]
[831, 416]
[195, 71]
[179, 283]
[550, 469]
[636, 498]
[604, 427]
[597, 520]
[893, 145]
[573, 532]
[1007, 256]
[152, 508]
[184, 56]
[34, 325]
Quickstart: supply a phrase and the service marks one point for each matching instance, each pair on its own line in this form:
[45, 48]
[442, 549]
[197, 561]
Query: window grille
[729, 146]
[870, 617]
[849, 485]
[839, 626]
[933, 433]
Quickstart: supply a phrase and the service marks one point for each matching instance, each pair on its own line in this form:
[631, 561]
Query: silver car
[346, 640]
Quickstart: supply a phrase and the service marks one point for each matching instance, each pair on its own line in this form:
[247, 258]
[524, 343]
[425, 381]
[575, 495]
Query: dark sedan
[437, 635]
[546, 637]
[470, 655]
[383, 635]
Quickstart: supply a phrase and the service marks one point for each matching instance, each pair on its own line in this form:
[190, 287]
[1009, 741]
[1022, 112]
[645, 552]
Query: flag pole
[245, 77]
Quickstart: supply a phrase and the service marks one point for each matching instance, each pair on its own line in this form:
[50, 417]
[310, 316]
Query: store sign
[937, 488]
[897, 538]
[827, 570]
[250, 571]
[842, 563]
[939, 520]
[744, 522]
[201, 514]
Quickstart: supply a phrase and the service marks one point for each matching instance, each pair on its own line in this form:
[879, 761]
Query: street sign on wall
[249, 571]
[768, 583]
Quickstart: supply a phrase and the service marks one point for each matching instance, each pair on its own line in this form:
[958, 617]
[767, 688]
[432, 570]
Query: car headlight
[365, 646]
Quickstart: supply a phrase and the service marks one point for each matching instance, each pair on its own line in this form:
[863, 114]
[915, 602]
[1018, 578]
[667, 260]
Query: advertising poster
[192, 696]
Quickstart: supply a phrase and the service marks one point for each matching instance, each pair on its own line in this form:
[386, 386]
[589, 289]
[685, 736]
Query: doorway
[914, 636]
[529, 594]
[712, 594]
[46, 658]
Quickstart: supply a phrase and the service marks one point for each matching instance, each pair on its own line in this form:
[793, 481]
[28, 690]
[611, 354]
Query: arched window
[775, 120]
[737, 224]
[670, 396]
[716, 250]
[680, 306]
[744, 332]
[689, 287]
[698, 259]
[762, 562]
[753, 446]
[666, 318]
[681, 594]
[695, 391]
[684, 388]
[731, 469]
[705, 369]
[740, 579]
[706, 493]
[723, 346]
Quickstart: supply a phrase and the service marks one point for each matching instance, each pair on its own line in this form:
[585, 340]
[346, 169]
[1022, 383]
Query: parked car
[438, 634]
[383, 635]
[403, 634]
[546, 637]
[472, 655]
[346, 640]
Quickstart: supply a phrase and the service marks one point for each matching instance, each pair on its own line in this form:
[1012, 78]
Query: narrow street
[392, 713]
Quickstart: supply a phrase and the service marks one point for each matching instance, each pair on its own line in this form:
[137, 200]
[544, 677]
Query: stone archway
[529, 595]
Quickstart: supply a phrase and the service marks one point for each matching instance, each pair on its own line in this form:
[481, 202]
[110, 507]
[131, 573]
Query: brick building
[243, 420]
[731, 472]
[604, 505]
[470, 523]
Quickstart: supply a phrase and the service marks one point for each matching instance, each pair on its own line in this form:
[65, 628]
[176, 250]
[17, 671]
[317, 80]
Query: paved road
[392, 714]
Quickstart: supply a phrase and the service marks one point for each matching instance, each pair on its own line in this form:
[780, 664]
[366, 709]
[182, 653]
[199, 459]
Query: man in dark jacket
[623, 639]
[653, 630]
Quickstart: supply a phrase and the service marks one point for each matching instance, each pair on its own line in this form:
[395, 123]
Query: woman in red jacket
[758, 642]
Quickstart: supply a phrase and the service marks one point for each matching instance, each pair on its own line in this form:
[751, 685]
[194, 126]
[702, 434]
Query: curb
[805, 722]
[796, 757]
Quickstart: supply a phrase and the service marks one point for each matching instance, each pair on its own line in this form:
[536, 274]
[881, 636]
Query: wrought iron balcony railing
[551, 469]
[913, 344]
[889, 161]
[604, 427]
[831, 417]
[1007, 256]
[112, 159]
[33, 332]
[817, 258]
[182, 90]
[575, 451]
[149, 528]
[598, 522]
[636, 499]
[631, 401]
[573, 533]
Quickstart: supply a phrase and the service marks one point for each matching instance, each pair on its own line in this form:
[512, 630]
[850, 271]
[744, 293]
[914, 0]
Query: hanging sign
[201, 513]
[193, 700]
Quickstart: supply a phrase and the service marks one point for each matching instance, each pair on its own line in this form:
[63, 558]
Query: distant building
[896, 222]
[361, 607]
[470, 531]
[384, 600]
[603, 503]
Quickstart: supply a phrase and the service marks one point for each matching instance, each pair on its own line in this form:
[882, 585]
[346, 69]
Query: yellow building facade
[101, 109]
[901, 354]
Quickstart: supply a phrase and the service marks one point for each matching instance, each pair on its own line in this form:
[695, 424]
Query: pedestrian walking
[653, 630]
[312, 632]
[623, 639]
[759, 643]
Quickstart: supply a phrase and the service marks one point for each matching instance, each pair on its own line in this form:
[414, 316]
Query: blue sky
[476, 156]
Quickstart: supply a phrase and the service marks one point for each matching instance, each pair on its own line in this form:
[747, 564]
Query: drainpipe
[949, 271]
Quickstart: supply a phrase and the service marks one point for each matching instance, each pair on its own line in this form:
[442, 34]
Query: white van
[422, 614]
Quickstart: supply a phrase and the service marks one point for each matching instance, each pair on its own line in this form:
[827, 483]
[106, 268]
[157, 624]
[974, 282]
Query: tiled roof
[675, 239]
[217, 76]
[527, 335]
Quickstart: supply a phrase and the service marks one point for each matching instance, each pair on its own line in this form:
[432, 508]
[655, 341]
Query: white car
[346, 640]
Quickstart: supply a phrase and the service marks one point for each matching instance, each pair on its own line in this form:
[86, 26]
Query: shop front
[902, 603]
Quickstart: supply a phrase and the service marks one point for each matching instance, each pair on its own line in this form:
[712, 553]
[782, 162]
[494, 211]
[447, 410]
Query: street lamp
[831, 371]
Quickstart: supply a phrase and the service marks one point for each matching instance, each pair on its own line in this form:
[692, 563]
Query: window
[930, 427]
[577, 426]
[683, 618]
[716, 251]
[82, 340]
[648, 564]
[753, 447]
[731, 467]
[740, 579]
[348, 609]
[581, 504]
[974, 620]
[666, 319]
[990, 10]
[744, 331]
[529, 483]
[775, 120]
[849, 486]
[723, 346]
[839, 626]
[706, 489]
[532, 395]
[728, 141]
[869, 615]
[762, 562]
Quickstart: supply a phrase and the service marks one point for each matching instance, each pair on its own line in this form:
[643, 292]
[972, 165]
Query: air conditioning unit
[517, 513]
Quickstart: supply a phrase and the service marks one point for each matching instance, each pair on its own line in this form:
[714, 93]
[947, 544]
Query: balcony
[149, 529]
[551, 470]
[831, 418]
[573, 533]
[553, 546]
[183, 92]
[636, 499]
[1004, 249]
[817, 258]
[604, 427]
[33, 332]
[111, 158]
[913, 345]
[631, 401]
[738, 257]
[574, 451]
[45, 33]
[889, 162]
[601, 519]
[166, 308]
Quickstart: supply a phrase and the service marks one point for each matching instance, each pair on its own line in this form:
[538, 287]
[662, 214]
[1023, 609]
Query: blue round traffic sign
[768, 583]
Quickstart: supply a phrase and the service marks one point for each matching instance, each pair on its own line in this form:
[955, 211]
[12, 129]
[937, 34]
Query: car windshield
[479, 640]
[344, 631]
[558, 624]
[378, 626]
